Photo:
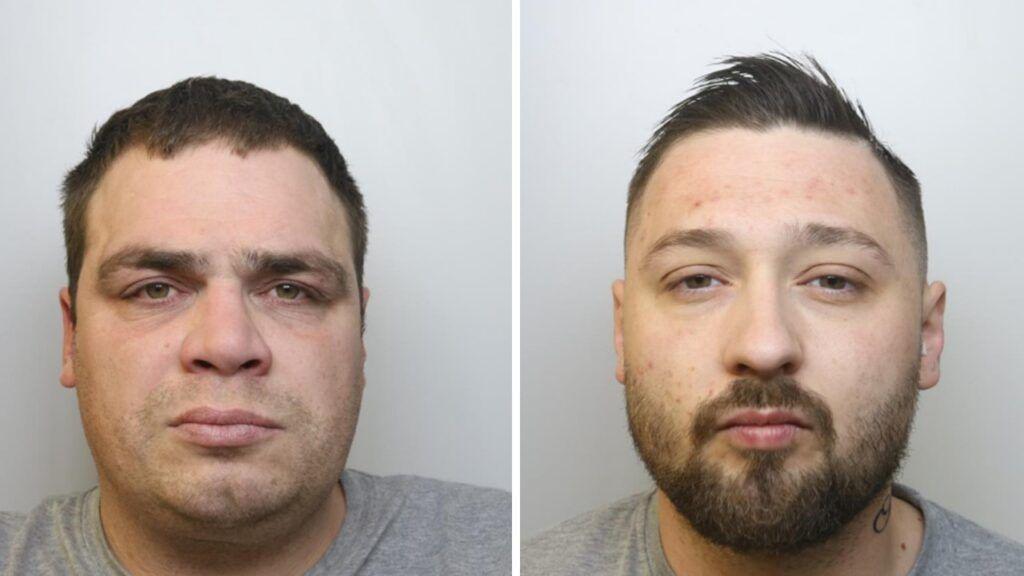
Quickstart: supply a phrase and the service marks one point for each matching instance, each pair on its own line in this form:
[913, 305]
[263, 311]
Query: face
[769, 333]
[217, 350]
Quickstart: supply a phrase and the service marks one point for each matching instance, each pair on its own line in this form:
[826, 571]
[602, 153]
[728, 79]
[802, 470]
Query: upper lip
[763, 417]
[215, 417]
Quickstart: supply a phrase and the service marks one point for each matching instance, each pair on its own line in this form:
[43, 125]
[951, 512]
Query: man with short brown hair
[213, 332]
[773, 329]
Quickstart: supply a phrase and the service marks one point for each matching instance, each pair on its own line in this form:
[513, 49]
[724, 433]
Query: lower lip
[769, 437]
[224, 435]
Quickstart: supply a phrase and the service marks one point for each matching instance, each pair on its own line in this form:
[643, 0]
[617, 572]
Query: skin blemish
[698, 203]
[903, 545]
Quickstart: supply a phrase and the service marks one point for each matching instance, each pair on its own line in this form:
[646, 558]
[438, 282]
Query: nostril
[250, 364]
[203, 364]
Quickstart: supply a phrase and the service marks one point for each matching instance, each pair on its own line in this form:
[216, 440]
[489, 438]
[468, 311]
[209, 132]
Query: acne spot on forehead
[697, 203]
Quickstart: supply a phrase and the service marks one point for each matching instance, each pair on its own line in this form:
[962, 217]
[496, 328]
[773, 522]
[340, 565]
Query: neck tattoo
[882, 518]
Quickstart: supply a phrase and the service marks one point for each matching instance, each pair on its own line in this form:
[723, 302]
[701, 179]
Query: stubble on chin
[190, 489]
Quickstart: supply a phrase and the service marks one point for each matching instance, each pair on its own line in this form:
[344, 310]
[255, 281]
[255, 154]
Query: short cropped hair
[773, 90]
[197, 111]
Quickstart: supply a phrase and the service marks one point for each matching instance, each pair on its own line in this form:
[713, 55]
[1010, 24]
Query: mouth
[764, 429]
[213, 428]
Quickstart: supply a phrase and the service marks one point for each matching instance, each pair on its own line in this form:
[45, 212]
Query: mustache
[778, 392]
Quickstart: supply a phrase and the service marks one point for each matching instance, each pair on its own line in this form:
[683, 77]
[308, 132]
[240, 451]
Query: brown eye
[287, 291]
[831, 282]
[157, 291]
[698, 281]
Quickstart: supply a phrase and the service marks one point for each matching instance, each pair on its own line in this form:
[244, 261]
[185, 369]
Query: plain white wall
[418, 97]
[942, 83]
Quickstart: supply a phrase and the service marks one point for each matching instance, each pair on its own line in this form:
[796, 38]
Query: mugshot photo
[760, 331]
[263, 316]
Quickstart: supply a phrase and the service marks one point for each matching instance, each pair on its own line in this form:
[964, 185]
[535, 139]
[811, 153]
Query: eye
[286, 291]
[698, 282]
[833, 282]
[157, 291]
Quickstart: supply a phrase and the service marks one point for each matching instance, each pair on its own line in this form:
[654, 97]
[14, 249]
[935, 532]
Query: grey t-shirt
[393, 525]
[623, 540]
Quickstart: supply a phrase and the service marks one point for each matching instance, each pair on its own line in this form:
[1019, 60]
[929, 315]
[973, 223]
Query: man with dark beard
[773, 328]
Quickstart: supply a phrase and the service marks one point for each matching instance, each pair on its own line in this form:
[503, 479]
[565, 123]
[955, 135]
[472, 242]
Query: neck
[864, 546]
[149, 545]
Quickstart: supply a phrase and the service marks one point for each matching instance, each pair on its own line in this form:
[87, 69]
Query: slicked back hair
[774, 90]
[197, 111]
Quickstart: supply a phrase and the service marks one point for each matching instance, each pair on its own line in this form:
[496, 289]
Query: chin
[233, 498]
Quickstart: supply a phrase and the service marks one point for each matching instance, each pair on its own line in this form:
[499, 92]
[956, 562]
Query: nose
[223, 339]
[761, 339]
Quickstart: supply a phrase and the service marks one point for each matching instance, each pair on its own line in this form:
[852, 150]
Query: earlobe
[67, 371]
[932, 334]
[618, 288]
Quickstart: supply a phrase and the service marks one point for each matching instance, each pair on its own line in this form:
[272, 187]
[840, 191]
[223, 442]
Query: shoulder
[606, 539]
[10, 526]
[427, 496]
[955, 545]
[53, 535]
[422, 521]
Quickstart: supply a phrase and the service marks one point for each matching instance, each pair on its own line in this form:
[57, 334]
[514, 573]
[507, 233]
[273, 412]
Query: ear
[932, 335]
[362, 316]
[364, 300]
[67, 370]
[618, 288]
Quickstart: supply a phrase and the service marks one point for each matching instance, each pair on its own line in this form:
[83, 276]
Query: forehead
[208, 198]
[758, 184]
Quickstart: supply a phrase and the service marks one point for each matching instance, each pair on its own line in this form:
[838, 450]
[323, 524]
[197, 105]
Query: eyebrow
[822, 235]
[264, 264]
[143, 258]
[806, 235]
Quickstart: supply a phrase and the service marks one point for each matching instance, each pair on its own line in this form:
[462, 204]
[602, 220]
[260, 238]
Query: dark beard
[765, 508]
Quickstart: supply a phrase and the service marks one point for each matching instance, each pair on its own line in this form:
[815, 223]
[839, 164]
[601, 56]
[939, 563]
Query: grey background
[941, 82]
[418, 97]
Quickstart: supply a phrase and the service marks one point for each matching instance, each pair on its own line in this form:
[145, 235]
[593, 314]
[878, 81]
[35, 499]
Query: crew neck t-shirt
[623, 540]
[393, 525]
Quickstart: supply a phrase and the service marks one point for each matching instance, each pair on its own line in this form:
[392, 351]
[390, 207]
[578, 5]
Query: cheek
[864, 369]
[324, 366]
[676, 358]
[122, 368]
[669, 377]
